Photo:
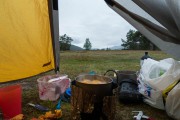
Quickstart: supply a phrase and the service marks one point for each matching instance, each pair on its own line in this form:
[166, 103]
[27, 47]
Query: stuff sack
[156, 76]
[128, 91]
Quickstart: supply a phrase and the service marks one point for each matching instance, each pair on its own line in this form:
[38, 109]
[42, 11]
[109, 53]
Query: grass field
[74, 63]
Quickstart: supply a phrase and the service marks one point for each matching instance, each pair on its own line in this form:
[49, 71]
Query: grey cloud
[76, 40]
[93, 19]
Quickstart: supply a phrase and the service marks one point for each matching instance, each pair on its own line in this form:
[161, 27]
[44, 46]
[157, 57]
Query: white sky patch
[93, 19]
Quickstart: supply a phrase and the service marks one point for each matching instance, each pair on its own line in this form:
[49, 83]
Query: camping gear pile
[159, 84]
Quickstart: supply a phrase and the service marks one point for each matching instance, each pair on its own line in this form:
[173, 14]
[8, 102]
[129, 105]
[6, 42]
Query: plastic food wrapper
[52, 86]
[155, 77]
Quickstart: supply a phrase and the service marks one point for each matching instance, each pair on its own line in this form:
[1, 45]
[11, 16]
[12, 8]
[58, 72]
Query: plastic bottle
[146, 56]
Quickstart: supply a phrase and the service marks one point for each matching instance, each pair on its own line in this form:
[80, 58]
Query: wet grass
[74, 63]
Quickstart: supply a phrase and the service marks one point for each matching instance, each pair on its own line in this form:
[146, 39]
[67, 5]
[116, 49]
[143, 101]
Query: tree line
[134, 41]
[65, 43]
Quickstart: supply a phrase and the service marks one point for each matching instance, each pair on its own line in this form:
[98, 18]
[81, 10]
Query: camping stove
[85, 106]
[97, 113]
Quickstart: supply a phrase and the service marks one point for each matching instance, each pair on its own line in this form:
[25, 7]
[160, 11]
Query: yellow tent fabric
[25, 39]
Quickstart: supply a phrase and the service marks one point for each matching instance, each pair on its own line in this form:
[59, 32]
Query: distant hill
[111, 48]
[74, 47]
[116, 48]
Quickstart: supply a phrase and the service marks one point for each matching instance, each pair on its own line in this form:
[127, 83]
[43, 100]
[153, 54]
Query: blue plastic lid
[68, 91]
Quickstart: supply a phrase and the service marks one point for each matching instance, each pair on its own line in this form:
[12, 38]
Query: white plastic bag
[156, 76]
[152, 96]
[171, 73]
[173, 103]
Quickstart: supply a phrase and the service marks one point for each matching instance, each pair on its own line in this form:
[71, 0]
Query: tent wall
[27, 40]
[160, 24]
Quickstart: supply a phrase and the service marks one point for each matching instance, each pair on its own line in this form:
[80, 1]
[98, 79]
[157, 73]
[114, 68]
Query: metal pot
[100, 90]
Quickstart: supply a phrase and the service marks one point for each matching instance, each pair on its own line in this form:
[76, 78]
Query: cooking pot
[99, 90]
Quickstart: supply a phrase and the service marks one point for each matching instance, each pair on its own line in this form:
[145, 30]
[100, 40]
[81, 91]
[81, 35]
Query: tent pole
[54, 24]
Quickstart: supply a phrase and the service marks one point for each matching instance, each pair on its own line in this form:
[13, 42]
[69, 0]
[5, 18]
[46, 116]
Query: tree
[108, 49]
[65, 42]
[87, 44]
[136, 41]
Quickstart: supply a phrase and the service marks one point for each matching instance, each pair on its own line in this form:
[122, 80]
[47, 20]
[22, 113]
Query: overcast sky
[93, 19]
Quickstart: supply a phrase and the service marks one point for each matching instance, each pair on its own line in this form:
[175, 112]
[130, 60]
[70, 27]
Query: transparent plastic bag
[53, 89]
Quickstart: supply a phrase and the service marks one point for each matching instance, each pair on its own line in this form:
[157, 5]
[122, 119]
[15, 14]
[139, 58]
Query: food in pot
[86, 81]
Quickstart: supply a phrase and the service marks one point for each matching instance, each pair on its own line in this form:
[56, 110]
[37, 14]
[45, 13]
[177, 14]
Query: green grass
[74, 63]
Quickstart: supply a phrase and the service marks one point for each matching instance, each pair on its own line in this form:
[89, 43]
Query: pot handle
[111, 70]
